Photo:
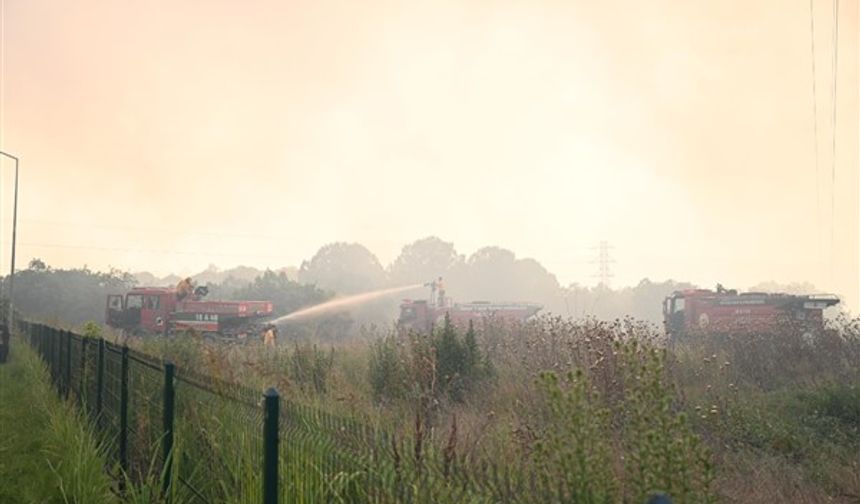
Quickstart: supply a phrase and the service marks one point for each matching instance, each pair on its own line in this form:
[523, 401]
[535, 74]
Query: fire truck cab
[146, 307]
[727, 311]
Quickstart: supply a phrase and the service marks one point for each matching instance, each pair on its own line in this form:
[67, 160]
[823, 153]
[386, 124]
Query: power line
[142, 251]
[161, 231]
[833, 159]
[815, 129]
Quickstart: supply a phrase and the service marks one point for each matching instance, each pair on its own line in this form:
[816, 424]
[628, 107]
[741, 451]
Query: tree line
[490, 274]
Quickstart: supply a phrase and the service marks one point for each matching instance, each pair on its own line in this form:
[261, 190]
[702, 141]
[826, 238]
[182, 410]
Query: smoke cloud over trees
[490, 274]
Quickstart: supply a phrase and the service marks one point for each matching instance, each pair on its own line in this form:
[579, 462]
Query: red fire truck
[159, 310]
[423, 315]
[727, 311]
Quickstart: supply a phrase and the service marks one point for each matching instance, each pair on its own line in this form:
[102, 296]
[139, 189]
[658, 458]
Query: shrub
[656, 451]
[459, 363]
[841, 402]
[388, 369]
[661, 451]
[450, 361]
[91, 330]
[574, 455]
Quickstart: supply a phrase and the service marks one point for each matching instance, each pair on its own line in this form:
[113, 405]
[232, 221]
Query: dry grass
[757, 478]
[743, 394]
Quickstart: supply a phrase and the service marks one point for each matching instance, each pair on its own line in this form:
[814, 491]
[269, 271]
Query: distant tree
[227, 288]
[214, 275]
[424, 260]
[495, 274]
[210, 275]
[490, 275]
[789, 288]
[37, 265]
[69, 296]
[291, 271]
[147, 279]
[286, 295]
[644, 301]
[346, 268]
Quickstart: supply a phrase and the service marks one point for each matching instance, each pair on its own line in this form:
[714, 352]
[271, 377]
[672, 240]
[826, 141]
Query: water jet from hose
[344, 302]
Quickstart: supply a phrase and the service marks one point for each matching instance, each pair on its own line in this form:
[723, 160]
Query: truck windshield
[677, 305]
[151, 302]
[134, 301]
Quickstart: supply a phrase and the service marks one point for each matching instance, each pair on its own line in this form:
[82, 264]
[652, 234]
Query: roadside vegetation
[599, 409]
[604, 409]
[48, 453]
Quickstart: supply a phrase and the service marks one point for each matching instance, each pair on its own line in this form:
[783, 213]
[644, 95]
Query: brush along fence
[196, 438]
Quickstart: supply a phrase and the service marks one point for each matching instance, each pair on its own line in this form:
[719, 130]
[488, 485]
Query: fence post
[55, 356]
[100, 380]
[83, 372]
[68, 377]
[169, 411]
[123, 412]
[49, 351]
[270, 446]
[55, 339]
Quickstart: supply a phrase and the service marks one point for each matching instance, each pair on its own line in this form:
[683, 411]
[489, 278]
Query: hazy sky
[168, 135]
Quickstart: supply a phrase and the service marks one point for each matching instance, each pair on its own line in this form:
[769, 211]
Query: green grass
[48, 453]
[764, 419]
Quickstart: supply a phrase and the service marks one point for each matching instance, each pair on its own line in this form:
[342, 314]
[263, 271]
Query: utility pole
[14, 232]
[604, 274]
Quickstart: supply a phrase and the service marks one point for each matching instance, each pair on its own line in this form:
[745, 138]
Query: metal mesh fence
[62, 358]
[205, 440]
[218, 436]
[145, 418]
[75, 367]
[111, 399]
[319, 449]
[89, 374]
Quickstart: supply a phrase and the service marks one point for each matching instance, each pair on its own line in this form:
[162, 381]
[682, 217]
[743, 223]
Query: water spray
[343, 302]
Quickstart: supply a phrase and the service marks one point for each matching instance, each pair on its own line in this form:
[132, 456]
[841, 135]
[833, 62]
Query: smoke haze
[165, 136]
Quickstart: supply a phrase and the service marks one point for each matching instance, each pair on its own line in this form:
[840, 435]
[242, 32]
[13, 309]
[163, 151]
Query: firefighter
[441, 288]
[184, 288]
[270, 335]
